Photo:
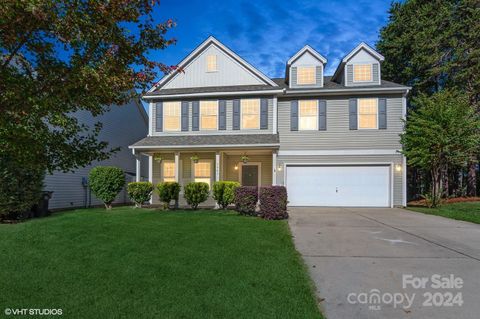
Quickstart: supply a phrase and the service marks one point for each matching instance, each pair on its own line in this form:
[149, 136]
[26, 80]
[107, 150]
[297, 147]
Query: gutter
[204, 146]
[167, 96]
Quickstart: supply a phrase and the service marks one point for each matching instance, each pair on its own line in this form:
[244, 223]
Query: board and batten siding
[229, 124]
[347, 159]
[338, 136]
[122, 126]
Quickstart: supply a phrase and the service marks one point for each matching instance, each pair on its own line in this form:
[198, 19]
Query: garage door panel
[354, 186]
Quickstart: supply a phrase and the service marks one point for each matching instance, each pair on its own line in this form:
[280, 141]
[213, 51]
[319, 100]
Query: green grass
[142, 263]
[467, 211]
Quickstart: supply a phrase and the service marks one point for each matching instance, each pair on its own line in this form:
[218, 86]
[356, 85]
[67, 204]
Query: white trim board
[339, 152]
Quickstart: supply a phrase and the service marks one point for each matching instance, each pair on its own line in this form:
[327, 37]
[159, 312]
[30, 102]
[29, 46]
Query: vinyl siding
[338, 136]
[229, 129]
[306, 59]
[266, 168]
[122, 126]
[347, 159]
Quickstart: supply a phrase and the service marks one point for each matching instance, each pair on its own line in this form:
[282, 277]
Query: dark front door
[250, 175]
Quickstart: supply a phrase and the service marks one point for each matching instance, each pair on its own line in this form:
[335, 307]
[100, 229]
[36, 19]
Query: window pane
[368, 121]
[202, 169]
[362, 72]
[208, 115]
[306, 75]
[308, 115]
[171, 116]
[250, 113]
[168, 171]
[367, 113]
[211, 63]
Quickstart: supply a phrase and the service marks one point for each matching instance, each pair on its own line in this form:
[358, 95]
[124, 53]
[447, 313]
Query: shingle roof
[213, 89]
[208, 140]
[328, 84]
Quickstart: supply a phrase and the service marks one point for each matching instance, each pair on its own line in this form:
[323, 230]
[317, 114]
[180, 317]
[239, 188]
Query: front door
[250, 175]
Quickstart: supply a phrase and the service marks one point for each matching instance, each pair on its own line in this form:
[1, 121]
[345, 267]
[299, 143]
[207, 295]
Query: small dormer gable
[305, 69]
[360, 67]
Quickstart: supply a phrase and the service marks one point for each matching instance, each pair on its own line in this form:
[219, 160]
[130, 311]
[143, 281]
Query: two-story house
[331, 140]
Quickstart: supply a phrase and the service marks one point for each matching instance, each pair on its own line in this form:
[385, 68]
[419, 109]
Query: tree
[106, 182]
[61, 57]
[442, 131]
[432, 45]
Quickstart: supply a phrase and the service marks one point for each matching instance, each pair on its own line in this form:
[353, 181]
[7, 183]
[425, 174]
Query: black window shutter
[294, 116]
[159, 117]
[184, 116]
[264, 114]
[195, 115]
[352, 109]
[222, 115]
[236, 115]
[382, 114]
[322, 115]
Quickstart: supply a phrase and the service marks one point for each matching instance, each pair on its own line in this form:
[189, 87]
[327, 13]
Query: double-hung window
[362, 73]
[171, 116]
[306, 75]
[208, 115]
[250, 109]
[202, 171]
[168, 171]
[367, 113]
[308, 115]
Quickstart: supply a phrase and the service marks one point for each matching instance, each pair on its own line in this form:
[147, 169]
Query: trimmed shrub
[273, 202]
[106, 182]
[196, 193]
[168, 191]
[140, 192]
[246, 198]
[224, 192]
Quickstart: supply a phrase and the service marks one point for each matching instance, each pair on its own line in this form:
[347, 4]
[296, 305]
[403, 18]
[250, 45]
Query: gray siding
[375, 76]
[338, 135]
[318, 77]
[348, 159]
[229, 127]
[122, 126]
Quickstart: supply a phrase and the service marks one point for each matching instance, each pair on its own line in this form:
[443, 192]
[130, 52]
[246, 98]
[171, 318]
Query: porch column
[137, 168]
[274, 168]
[217, 166]
[177, 167]
[150, 172]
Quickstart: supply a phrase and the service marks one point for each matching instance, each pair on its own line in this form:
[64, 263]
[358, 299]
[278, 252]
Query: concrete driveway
[361, 258]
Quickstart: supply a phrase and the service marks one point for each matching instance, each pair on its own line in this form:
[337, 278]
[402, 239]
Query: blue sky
[267, 32]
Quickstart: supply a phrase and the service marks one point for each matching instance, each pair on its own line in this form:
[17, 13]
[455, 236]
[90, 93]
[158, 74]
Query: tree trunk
[436, 187]
[472, 179]
[445, 182]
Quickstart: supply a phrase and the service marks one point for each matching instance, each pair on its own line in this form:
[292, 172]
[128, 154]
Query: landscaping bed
[467, 210]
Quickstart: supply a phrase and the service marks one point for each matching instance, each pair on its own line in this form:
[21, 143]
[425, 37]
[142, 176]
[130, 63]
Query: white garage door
[355, 186]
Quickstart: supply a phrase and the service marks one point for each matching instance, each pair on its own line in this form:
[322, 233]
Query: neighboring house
[331, 140]
[122, 126]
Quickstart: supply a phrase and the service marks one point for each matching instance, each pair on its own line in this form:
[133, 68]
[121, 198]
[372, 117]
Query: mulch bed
[421, 202]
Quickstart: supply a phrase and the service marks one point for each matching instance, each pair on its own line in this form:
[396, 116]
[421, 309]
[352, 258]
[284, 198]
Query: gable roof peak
[311, 50]
[365, 47]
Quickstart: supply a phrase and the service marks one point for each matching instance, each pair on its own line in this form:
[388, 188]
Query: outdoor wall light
[279, 168]
[236, 167]
[398, 168]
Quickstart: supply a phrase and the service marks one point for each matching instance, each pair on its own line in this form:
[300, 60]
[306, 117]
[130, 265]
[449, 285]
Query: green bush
[196, 193]
[168, 191]
[106, 182]
[140, 192]
[224, 192]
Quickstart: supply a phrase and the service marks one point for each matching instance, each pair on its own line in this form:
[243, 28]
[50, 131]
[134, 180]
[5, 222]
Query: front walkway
[350, 251]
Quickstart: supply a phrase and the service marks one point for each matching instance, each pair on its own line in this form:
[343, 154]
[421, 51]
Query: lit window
[211, 63]
[203, 172]
[208, 115]
[308, 115]
[362, 72]
[306, 75]
[367, 113]
[171, 116]
[168, 171]
[250, 114]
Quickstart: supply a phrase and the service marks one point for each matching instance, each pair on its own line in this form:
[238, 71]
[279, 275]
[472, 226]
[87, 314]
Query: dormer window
[362, 73]
[212, 63]
[306, 75]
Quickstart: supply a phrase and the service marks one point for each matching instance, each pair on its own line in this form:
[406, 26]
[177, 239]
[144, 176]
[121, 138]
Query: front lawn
[468, 211]
[139, 263]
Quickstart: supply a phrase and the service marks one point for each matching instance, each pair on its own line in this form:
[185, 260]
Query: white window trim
[179, 118]
[211, 170]
[314, 74]
[241, 164]
[362, 81]
[162, 175]
[358, 113]
[200, 116]
[299, 116]
[241, 115]
[216, 63]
